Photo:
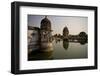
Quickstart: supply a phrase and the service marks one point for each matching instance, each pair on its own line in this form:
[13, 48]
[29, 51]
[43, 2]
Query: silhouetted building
[65, 32]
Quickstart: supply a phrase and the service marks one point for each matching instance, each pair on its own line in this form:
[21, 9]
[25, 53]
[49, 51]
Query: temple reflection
[40, 55]
[65, 44]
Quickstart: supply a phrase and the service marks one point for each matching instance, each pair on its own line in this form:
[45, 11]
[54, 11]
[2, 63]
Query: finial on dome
[45, 16]
[66, 25]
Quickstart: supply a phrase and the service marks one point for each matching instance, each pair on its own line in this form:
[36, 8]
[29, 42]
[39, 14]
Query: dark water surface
[61, 50]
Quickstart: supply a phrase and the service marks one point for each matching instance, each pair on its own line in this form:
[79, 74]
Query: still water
[61, 50]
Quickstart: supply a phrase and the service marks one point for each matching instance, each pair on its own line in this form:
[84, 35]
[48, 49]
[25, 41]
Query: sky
[75, 24]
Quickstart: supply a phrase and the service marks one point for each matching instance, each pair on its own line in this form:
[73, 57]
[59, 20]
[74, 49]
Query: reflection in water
[65, 44]
[82, 42]
[46, 47]
[44, 52]
[58, 50]
[39, 55]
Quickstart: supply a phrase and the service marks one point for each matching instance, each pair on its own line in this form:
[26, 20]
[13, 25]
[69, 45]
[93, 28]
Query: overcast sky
[75, 24]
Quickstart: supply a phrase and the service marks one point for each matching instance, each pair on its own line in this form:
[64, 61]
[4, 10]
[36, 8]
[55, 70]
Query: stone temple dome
[45, 24]
[65, 31]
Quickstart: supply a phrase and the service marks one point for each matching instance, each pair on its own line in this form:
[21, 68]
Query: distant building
[33, 34]
[30, 31]
[33, 38]
[65, 32]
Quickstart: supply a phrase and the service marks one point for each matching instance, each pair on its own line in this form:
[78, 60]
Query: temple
[45, 30]
[65, 32]
[40, 37]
